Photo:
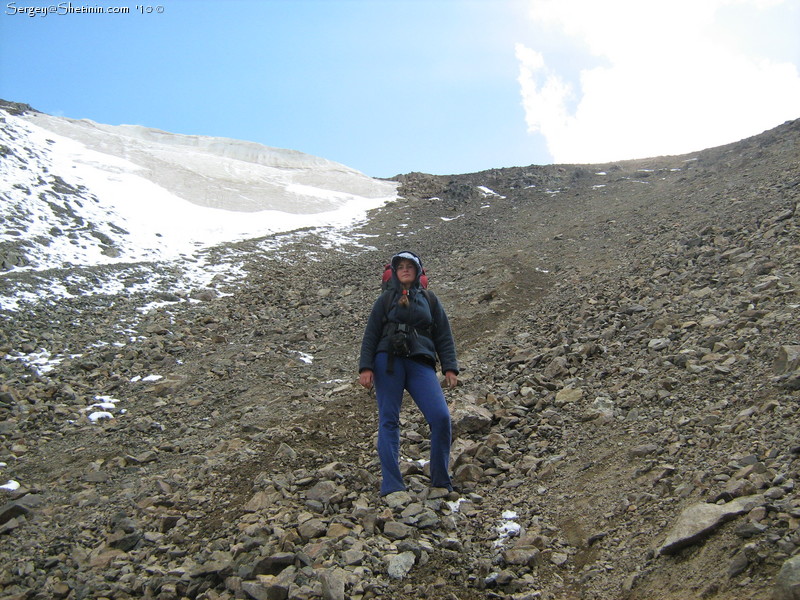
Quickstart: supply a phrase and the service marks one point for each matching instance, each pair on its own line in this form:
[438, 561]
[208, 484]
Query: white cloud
[666, 78]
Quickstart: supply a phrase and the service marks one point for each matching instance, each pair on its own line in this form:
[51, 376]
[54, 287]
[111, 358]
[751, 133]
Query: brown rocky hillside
[627, 424]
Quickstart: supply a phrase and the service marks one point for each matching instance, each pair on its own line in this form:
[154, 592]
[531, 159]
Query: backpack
[387, 275]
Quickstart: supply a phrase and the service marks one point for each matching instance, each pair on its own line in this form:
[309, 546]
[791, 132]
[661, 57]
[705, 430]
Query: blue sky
[439, 86]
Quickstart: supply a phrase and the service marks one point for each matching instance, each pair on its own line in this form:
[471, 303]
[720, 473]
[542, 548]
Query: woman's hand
[451, 379]
[366, 378]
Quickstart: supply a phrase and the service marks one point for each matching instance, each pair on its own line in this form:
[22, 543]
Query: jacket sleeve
[372, 336]
[443, 339]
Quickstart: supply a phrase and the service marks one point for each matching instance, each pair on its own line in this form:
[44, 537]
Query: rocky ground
[626, 424]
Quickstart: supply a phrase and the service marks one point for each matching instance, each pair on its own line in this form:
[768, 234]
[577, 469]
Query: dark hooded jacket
[431, 337]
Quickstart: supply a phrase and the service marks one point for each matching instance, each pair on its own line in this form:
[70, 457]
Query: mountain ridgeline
[626, 424]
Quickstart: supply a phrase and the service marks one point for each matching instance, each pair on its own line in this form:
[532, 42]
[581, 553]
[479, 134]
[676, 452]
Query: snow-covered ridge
[89, 209]
[77, 193]
[223, 173]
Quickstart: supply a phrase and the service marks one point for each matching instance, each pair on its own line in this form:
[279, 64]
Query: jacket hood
[408, 255]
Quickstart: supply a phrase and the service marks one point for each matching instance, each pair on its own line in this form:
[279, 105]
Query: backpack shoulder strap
[387, 297]
[430, 296]
[433, 302]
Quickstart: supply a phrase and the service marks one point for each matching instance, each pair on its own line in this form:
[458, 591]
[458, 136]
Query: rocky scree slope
[626, 424]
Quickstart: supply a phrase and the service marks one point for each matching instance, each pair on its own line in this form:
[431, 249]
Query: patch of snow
[100, 416]
[507, 528]
[488, 192]
[455, 505]
[40, 362]
[306, 358]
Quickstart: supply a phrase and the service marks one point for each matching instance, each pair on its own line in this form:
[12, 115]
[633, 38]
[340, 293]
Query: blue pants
[422, 384]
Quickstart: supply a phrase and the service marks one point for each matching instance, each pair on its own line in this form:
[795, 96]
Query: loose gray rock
[333, 584]
[787, 583]
[470, 419]
[699, 520]
[401, 564]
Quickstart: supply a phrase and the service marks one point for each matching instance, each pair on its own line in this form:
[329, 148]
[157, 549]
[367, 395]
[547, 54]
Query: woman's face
[406, 271]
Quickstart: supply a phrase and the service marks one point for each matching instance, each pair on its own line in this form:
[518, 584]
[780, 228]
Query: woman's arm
[372, 336]
[443, 339]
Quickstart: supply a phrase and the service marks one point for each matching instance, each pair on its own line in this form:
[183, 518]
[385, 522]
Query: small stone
[468, 473]
[397, 531]
[739, 563]
[658, 343]
[568, 396]
[522, 555]
[401, 564]
[643, 450]
[352, 557]
[285, 451]
[787, 583]
[312, 528]
[333, 584]
[397, 499]
[470, 418]
[452, 544]
[435, 493]
[324, 491]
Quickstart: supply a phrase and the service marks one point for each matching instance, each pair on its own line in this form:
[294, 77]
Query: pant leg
[425, 389]
[389, 388]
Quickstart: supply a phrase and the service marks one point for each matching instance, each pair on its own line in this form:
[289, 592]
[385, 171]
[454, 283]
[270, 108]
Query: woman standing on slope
[407, 330]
